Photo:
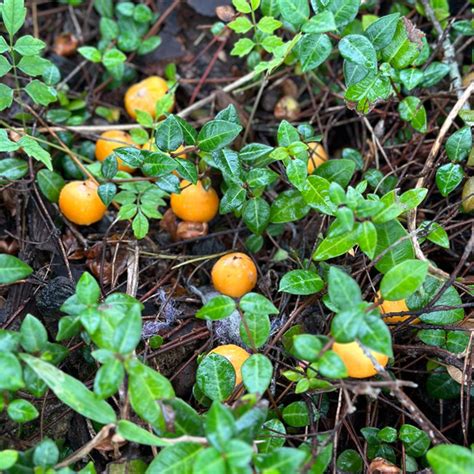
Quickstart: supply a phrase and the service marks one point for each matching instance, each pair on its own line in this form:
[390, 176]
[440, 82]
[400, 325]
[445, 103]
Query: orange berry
[195, 203]
[235, 355]
[317, 156]
[144, 95]
[394, 307]
[358, 365]
[111, 140]
[234, 274]
[80, 202]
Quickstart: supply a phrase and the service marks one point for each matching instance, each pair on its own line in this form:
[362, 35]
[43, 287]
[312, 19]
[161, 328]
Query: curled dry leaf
[74, 249]
[382, 466]
[225, 13]
[65, 44]
[455, 373]
[169, 223]
[287, 108]
[290, 88]
[191, 230]
[115, 261]
[9, 246]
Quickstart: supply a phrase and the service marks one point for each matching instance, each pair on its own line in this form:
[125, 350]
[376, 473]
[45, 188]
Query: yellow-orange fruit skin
[234, 274]
[394, 307]
[235, 355]
[358, 365]
[111, 140]
[317, 156]
[80, 202]
[194, 203]
[144, 95]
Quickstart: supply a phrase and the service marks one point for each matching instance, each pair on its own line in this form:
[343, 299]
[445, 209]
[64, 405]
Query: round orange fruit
[358, 365]
[394, 307]
[111, 140]
[194, 203]
[80, 202]
[235, 355]
[317, 156]
[144, 95]
[234, 274]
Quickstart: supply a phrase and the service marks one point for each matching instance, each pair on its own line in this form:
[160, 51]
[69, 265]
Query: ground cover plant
[236, 237]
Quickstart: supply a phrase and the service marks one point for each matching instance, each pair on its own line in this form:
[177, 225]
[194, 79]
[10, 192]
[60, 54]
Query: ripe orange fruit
[234, 274]
[144, 95]
[195, 203]
[317, 156]
[358, 365]
[394, 307]
[80, 202]
[235, 355]
[111, 140]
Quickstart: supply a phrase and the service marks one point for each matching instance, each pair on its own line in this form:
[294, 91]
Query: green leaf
[294, 12]
[332, 247]
[448, 458]
[257, 373]
[411, 110]
[256, 330]
[344, 10]
[106, 192]
[217, 134]
[210, 461]
[140, 225]
[388, 234]
[296, 414]
[33, 65]
[434, 73]
[411, 78]
[257, 304]
[28, 45]
[70, 391]
[8, 458]
[256, 215]
[432, 337]
[220, 425]
[436, 233]
[227, 161]
[134, 433]
[375, 335]
[6, 97]
[5, 66]
[242, 47]
[50, 184]
[41, 93]
[459, 145]
[46, 453]
[449, 177]
[365, 94]
[22, 411]
[403, 280]
[316, 194]
[217, 308]
[145, 387]
[179, 458]
[33, 335]
[289, 206]
[268, 24]
[307, 347]
[90, 53]
[301, 282]
[339, 171]
[216, 376]
[169, 135]
[359, 50]
[345, 325]
[343, 290]
[128, 333]
[87, 289]
[382, 31]
[367, 238]
[415, 441]
[108, 378]
[12, 269]
[233, 199]
[349, 461]
[13, 13]
[241, 25]
[322, 22]
[312, 50]
[113, 58]
[330, 365]
[11, 374]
